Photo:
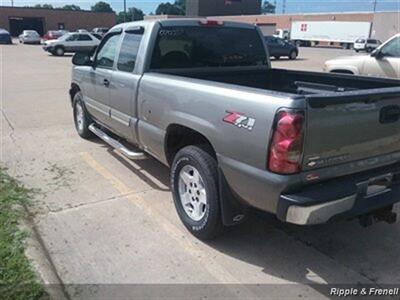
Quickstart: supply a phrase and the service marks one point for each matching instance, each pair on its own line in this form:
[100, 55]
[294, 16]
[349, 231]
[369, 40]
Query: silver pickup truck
[201, 97]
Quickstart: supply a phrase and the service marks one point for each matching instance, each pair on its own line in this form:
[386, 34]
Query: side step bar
[115, 144]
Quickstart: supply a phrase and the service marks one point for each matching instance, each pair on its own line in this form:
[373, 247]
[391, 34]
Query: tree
[133, 14]
[268, 8]
[181, 4]
[102, 6]
[71, 7]
[178, 8]
[46, 6]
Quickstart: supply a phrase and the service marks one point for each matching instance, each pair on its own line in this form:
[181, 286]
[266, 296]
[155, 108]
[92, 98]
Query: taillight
[287, 143]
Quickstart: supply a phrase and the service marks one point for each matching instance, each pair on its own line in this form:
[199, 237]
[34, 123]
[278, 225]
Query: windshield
[195, 47]
[64, 36]
[360, 41]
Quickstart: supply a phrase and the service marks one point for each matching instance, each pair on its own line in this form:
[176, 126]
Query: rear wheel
[293, 55]
[194, 184]
[81, 117]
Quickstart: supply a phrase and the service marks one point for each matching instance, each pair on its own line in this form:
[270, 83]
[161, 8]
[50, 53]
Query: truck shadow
[334, 254]
[154, 173]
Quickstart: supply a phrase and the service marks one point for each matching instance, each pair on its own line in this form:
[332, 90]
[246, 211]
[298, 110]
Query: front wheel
[194, 184]
[59, 51]
[81, 117]
[293, 55]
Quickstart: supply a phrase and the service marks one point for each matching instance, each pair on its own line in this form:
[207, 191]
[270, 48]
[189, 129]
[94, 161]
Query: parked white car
[382, 62]
[29, 37]
[367, 45]
[72, 42]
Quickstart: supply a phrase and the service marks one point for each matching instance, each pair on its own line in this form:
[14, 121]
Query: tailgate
[350, 126]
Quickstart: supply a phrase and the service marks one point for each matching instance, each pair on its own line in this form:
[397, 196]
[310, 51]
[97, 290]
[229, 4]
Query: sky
[292, 6]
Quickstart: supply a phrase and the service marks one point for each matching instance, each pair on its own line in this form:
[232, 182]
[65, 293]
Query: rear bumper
[339, 198]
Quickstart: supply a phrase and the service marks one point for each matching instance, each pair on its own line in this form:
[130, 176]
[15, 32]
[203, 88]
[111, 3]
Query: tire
[357, 50]
[59, 51]
[293, 55]
[82, 119]
[369, 50]
[200, 190]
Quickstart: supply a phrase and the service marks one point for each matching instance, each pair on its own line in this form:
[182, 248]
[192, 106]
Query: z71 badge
[240, 120]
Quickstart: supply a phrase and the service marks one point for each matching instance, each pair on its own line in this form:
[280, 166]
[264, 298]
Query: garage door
[17, 25]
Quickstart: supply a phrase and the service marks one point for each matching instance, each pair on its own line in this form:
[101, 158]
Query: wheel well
[179, 136]
[74, 89]
[342, 71]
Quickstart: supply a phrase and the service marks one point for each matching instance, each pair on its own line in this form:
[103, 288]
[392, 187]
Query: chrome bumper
[320, 213]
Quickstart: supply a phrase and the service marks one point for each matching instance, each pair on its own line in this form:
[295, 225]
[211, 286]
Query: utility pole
[124, 11]
[375, 3]
[12, 3]
[284, 7]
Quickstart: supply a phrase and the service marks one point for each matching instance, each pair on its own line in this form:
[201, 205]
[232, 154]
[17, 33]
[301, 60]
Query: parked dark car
[5, 37]
[278, 47]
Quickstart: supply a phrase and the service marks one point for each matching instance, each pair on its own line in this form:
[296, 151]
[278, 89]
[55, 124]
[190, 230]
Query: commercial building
[196, 8]
[17, 19]
[384, 24]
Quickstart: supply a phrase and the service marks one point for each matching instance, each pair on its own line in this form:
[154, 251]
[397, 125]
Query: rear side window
[84, 37]
[129, 50]
[361, 41]
[195, 47]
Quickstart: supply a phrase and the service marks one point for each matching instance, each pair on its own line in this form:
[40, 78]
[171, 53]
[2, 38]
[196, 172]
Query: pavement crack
[83, 205]
[7, 119]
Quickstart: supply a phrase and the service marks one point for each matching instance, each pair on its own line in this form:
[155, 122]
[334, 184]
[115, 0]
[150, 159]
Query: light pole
[12, 3]
[375, 3]
[284, 7]
[124, 11]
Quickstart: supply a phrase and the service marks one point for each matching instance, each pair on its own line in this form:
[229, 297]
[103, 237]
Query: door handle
[389, 114]
[106, 82]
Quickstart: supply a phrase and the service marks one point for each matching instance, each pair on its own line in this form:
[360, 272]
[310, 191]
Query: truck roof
[182, 22]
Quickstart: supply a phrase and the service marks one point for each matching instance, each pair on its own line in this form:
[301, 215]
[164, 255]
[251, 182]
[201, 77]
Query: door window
[129, 49]
[106, 55]
[392, 49]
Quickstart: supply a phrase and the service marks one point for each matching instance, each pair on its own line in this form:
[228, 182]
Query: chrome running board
[115, 144]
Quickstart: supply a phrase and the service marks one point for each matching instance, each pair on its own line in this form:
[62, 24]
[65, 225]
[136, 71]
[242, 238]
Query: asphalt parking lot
[105, 220]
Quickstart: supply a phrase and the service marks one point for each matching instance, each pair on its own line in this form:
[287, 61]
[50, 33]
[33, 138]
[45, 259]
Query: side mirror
[82, 59]
[377, 54]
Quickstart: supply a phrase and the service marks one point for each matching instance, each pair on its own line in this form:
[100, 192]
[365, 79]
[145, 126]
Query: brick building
[16, 19]
[222, 7]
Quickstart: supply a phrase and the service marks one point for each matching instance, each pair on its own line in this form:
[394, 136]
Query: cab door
[125, 81]
[100, 77]
[385, 62]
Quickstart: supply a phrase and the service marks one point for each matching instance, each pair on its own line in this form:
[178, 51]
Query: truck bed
[349, 118]
[287, 81]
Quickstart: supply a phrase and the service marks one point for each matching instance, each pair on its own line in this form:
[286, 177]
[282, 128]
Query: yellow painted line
[216, 270]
